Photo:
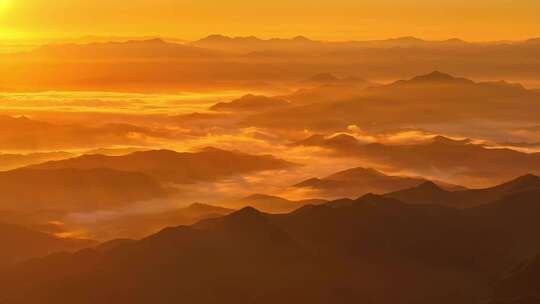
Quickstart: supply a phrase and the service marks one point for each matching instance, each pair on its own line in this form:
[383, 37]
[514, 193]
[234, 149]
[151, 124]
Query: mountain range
[14, 161]
[250, 103]
[355, 182]
[233, 63]
[36, 135]
[437, 156]
[269, 203]
[434, 98]
[21, 243]
[209, 164]
[430, 193]
[354, 251]
[71, 189]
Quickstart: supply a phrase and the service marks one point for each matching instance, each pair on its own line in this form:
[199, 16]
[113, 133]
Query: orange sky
[321, 19]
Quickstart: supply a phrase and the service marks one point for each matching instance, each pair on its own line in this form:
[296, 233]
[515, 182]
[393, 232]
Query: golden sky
[321, 19]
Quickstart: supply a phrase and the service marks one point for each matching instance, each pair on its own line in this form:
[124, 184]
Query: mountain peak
[438, 77]
[356, 174]
[301, 39]
[429, 185]
[216, 37]
[156, 40]
[410, 39]
[525, 181]
[343, 139]
[246, 212]
[435, 75]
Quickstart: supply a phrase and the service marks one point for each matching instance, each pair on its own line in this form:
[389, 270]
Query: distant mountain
[434, 98]
[249, 62]
[71, 189]
[141, 224]
[114, 151]
[330, 79]
[150, 48]
[250, 103]
[482, 165]
[268, 203]
[35, 135]
[356, 182]
[437, 78]
[253, 44]
[20, 243]
[316, 254]
[169, 166]
[14, 161]
[301, 43]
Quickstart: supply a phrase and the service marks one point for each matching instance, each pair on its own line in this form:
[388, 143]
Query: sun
[4, 3]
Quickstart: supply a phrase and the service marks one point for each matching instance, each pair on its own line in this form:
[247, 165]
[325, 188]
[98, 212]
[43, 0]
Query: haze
[321, 19]
[269, 152]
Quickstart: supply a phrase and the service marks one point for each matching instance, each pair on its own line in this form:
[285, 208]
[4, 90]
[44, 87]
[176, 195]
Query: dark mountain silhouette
[482, 165]
[139, 225]
[169, 166]
[425, 193]
[20, 243]
[436, 78]
[434, 98]
[316, 254]
[14, 161]
[74, 189]
[430, 193]
[251, 103]
[355, 182]
[268, 203]
[180, 262]
[112, 245]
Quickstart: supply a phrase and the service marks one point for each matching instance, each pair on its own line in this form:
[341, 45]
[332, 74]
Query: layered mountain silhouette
[35, 135]
[358, 181]
[72, 189]
[252, 44]
[21, 243]
[14, 161]
[430, 193]
[114, 151]
[140, 224]
[269, 203]
[251, 103]
[458, 159]
[209, 164]
[233, 62]
[316, 254]
[434, 98]
[150, 48]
